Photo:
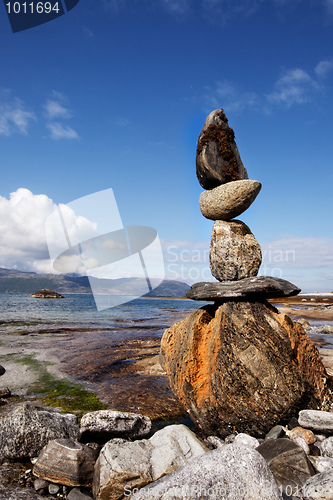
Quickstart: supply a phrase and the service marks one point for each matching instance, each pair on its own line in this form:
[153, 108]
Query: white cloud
[113, 5]
[297, 252]
[23, 243]
[230, 97]
[329, 5]
[59, 131]
[222, 11]
[54, 109]
[323, 68]
[14, 115]
[295, 87]
[176, 6]
[307, 262]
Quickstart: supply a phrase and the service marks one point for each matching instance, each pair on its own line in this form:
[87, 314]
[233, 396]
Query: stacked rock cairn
[238, 365]
[235, 254]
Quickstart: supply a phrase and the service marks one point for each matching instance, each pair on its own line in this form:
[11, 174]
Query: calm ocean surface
[141, 317]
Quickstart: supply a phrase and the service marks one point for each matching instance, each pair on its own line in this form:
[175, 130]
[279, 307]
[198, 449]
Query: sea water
[143, 316]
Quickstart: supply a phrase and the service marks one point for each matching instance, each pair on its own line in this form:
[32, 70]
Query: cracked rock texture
[243, 367]
[234, 252]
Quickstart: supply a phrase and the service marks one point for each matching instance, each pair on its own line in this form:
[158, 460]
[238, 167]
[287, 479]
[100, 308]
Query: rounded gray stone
[229, 200]
[102, 425]
[234, 252]
[316, 420]
[327, 447]
[319, 487]
[232, 472]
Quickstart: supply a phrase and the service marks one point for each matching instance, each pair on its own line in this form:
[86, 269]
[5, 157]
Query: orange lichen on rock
[243, 367]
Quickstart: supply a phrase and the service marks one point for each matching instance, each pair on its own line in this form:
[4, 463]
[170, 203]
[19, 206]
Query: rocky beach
[95, 411]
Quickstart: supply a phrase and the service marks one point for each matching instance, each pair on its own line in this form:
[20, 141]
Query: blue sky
[114, 94]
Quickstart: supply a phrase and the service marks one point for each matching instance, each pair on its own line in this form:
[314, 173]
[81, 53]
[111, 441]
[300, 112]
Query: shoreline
[124, 374]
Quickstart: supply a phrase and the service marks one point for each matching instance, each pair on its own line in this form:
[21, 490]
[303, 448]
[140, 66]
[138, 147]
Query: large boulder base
[218, 160]
[243, 367]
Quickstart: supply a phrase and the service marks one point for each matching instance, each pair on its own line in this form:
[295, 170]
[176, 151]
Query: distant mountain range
[12, 281]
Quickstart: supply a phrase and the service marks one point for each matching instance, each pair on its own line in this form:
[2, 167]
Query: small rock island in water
[44, 293]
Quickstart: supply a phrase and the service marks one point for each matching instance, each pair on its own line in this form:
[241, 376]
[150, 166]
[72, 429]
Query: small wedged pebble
[299, 432]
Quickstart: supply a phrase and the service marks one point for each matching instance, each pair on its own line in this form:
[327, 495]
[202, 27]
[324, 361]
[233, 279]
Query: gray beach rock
[327, 447]
[316, 420]
[41, 484]
[246, 440]
[215, 442]
[17, 493]
[218, 160]
[302, 444]
[27, 429]
[76, 494]
[287, 461]
[321, 463]
[234, 252]
[5, 392]
[255, 288]
[232, 472]
[102, 425]
[134, 464]
[278, 431]
[319, 487]
[65, 461]
[54, 489]
[229, 200]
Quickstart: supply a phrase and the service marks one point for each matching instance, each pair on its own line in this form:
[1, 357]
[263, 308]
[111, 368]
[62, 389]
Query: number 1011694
[32, 7]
